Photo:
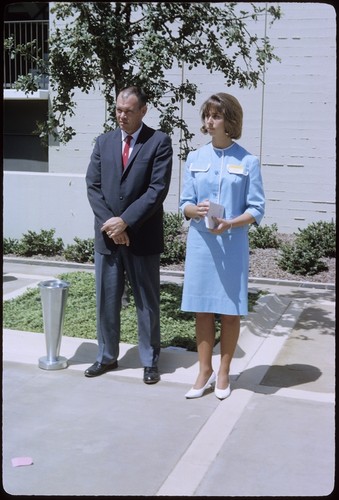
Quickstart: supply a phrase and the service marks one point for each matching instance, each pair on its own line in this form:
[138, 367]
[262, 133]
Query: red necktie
[126, 150]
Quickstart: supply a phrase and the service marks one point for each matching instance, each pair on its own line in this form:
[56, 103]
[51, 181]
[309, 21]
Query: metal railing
[22, 32]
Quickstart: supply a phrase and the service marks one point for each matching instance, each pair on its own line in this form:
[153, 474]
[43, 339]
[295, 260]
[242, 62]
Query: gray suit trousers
[143, 274]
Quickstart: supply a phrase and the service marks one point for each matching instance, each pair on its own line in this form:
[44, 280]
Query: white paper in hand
[215, 210]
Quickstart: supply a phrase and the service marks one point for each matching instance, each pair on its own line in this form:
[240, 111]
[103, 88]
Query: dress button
[121, 198]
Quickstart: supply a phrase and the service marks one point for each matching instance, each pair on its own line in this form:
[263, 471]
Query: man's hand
[114, 227]
[122, 239]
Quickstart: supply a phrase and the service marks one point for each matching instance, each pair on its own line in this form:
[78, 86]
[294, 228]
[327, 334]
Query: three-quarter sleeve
[255, 197]
[189, 191]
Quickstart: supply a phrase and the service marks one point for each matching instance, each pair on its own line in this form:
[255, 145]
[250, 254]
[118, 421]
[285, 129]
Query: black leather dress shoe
[151, 375]
[99, 368]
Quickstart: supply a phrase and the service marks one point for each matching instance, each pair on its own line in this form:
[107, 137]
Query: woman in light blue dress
[220, 175]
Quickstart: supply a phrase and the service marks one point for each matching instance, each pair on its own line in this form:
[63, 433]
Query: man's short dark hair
[137, 91]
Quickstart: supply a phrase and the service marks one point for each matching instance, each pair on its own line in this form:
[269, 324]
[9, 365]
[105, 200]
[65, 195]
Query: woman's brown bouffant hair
[231, 110]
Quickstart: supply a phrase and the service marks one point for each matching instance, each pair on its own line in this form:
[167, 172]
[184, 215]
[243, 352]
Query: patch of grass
[177, 327]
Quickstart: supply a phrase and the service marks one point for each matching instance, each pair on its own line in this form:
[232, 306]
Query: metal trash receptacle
[54, 298]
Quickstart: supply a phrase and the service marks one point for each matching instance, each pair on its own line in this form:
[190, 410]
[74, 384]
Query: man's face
[129, 114]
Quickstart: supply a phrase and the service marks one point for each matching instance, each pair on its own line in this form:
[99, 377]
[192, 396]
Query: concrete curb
[171, 273]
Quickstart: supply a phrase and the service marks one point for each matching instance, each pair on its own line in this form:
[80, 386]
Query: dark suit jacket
[137, 194]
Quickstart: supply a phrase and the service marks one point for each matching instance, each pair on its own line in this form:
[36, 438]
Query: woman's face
[214, 122]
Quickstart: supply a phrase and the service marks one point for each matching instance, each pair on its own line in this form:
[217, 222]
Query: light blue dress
[216, 266]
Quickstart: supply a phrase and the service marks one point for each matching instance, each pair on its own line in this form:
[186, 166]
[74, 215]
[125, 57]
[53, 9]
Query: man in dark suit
[127, 203]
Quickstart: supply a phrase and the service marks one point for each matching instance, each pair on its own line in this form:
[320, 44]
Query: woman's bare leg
[230, 329]
[205, 335]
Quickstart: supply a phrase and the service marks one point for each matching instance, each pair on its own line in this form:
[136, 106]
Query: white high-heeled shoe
[222, 393]
[197, 393]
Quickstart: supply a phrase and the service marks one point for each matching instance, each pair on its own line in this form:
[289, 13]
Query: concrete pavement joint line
[29, 276]
[320, 397]
[49, 263]
[36, 279]
[195, 462]
[20, 291]
[190, 470]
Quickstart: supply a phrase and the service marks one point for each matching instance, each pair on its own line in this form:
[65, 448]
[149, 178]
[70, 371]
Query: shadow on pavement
[277, 377]
[169, 361]
[315, 318]
[85, 353]
[6, 278]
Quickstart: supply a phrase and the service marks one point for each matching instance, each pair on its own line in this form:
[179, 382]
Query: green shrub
[175, 239]
[301, 258]
[311, 244]
[10, 245]
[321, 236]
[42, 243]
[81, 251]
[263, 236]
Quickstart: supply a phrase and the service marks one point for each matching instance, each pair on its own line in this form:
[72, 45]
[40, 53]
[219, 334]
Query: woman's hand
[197, 211]
[223, 225]
[202, 208]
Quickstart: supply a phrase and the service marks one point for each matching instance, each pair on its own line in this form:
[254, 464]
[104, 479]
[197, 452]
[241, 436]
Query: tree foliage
[110, 45]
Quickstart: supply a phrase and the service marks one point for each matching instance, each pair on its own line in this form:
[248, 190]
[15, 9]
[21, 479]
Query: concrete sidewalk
[115, 436]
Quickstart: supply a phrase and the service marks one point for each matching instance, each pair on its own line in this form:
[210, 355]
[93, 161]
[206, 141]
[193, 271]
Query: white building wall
[289, 123]
[88, 123]
[47, 201]
[298, 155]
